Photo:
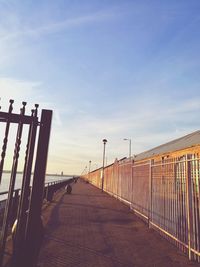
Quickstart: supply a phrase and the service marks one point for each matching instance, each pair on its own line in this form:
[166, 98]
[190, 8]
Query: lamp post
[89, 170]
[104, 149]
[126, 139]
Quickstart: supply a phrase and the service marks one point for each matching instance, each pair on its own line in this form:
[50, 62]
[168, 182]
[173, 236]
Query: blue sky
[108, 69]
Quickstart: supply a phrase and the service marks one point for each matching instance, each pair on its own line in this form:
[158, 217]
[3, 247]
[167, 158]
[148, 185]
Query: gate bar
[18, 250]
[11, 186]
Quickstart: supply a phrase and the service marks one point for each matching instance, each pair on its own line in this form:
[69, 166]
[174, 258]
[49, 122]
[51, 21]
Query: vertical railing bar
[5, 141]
[168, 199]
[25, 192]
[198, 205]
[132, 182]
[183, 197]
[160, 194]
[155, 194]
[154, 189]
[166, 196]
[182, 206]
[171, 198]
[176, 170]
[179, 211]
[183, 203]
[160, 198]
[195, 205]
[189, 215]
[11, 186]
[150, 195]
[185, 200]
[177, 203]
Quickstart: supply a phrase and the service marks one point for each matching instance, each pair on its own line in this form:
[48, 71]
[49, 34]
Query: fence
[165, 193]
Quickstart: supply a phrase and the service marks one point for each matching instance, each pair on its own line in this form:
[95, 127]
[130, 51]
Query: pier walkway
[91, 229]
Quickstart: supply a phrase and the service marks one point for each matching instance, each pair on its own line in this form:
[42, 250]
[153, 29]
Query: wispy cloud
[57, 26]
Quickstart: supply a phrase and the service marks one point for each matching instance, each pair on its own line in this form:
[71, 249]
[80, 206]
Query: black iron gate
[28, 225]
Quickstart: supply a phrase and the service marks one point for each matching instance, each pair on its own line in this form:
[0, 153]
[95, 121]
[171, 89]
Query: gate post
[34, 227]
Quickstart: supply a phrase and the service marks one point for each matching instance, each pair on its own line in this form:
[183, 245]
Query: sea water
[18, 183]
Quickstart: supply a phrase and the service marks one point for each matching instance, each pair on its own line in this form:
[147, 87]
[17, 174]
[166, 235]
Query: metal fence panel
[165, 192]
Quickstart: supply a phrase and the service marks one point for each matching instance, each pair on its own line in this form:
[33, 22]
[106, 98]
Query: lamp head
[105, 141]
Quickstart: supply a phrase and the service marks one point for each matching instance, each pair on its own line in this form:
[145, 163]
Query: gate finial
[11, 105]
[36, 109]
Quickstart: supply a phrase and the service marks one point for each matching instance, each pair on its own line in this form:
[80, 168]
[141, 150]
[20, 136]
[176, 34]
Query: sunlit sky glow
[109, 69]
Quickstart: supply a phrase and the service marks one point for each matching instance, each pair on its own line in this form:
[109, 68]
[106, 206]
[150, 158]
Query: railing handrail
[46, 183]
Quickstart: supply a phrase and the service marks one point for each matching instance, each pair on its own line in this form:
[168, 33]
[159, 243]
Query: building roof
[184, 142]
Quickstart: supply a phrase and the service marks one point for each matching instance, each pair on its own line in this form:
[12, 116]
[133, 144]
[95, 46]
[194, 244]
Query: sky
[107, 68]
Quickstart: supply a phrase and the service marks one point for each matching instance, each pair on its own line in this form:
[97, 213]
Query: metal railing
[165, 193]
[53, 184]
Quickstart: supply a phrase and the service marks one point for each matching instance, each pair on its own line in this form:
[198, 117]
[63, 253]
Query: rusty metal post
[34, 224]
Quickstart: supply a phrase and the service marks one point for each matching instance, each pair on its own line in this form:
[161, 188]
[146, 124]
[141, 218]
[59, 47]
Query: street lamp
[104, 149]
[125, 139]
[89, 170]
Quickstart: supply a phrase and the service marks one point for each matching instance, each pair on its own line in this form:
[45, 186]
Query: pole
[104, 149]
[130, 148]
[89, 170]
